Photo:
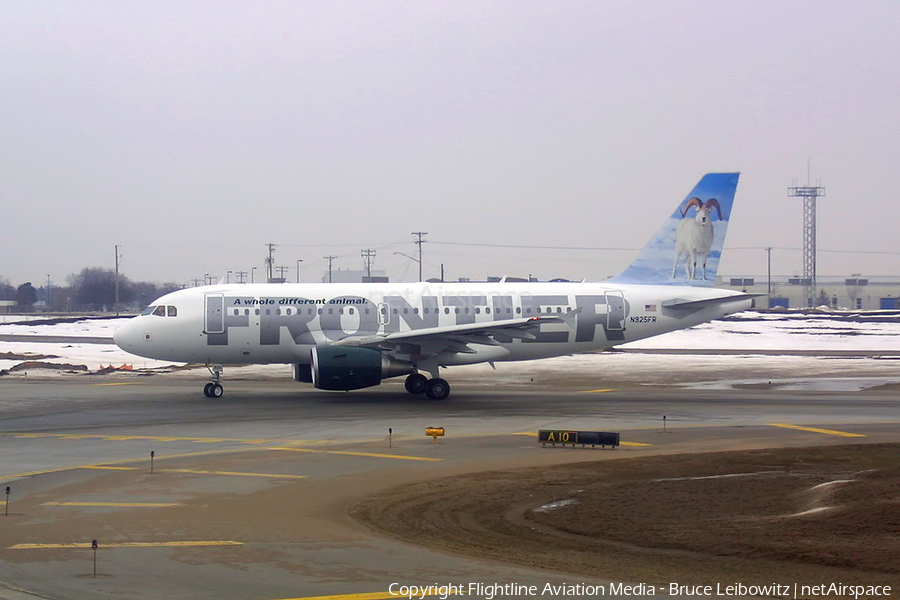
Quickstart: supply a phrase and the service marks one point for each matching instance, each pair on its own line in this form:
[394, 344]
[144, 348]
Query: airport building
[853, 292]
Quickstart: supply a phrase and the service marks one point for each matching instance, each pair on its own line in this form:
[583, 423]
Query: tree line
[91, 290]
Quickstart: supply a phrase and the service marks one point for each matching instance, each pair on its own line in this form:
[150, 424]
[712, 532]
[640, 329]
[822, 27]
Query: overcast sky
[194, 133]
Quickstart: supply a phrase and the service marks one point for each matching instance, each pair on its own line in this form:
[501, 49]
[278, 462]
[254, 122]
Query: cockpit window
[160, 311]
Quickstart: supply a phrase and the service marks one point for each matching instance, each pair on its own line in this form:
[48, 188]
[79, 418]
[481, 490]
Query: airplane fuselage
[280, 323]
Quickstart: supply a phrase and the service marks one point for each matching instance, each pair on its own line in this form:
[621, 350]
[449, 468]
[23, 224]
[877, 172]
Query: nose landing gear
[214, 389]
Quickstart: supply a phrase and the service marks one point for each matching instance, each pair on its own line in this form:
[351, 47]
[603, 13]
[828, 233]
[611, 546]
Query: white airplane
[352, 336]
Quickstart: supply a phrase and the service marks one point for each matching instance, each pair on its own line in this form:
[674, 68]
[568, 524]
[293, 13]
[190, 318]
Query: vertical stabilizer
[687, 248]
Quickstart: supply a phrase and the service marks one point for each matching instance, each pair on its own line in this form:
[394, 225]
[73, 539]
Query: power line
[528, 246]
[795, 249]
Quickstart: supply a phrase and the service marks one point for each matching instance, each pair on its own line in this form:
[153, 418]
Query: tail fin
[687, 248]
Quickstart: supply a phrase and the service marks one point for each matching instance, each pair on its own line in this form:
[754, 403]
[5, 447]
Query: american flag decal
[650, 307]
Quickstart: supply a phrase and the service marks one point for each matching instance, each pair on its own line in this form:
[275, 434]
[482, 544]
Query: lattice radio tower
[810, 194]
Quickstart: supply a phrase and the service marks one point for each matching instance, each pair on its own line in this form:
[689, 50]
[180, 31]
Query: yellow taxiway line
[87, 545]
[156, 438]
[108, 468]
[817, 430]
[367, 596]
[351, 453]
[115, 504]
[363, 596]
[602, 391]
[233, 473]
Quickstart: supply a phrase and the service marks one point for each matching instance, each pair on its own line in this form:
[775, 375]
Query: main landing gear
[435, 388]
[214, 389]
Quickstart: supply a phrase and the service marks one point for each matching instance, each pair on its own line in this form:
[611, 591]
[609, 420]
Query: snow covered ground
[868, 345]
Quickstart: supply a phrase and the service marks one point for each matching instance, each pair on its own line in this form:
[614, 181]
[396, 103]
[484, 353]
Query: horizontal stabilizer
[685, 304]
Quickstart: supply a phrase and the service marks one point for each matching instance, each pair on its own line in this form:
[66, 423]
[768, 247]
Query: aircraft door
[384, 313]
[215, 313]
[615, 311]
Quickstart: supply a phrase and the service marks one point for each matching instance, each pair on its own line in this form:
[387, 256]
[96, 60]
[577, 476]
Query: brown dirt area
[803, 515]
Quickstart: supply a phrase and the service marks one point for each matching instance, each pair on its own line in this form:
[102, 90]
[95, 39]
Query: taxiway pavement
[249, 493]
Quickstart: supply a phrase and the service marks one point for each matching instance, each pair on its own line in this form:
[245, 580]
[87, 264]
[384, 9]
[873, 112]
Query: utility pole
[241, 275]
[117, 280]
[281, 271]
[329, 259]
[419, 243]
[769, 272]
[270, 261]
[368, 254]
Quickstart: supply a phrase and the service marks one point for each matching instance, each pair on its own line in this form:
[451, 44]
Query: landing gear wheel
[437, 389]
[213, 390]
[416, 384]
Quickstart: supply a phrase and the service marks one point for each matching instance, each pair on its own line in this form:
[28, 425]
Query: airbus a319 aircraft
[352, 336]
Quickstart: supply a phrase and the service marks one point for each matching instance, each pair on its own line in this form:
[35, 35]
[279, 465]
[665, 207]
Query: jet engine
[349, 368]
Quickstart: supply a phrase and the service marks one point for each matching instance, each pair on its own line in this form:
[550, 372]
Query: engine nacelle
[351, 368]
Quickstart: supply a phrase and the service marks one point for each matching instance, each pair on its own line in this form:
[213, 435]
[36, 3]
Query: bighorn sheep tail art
[694, 237]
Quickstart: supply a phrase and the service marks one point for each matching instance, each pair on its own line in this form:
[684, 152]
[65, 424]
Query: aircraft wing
[684, 304]
[455, 338]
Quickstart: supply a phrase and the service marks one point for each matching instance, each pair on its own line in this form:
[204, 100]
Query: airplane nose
[126, 336]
